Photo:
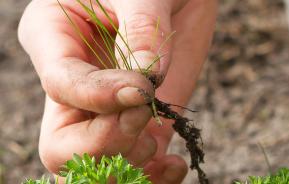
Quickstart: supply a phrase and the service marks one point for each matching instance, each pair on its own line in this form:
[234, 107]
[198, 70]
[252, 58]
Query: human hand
[84, 111]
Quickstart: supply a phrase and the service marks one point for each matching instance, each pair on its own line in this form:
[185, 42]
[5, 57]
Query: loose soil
[242, 96]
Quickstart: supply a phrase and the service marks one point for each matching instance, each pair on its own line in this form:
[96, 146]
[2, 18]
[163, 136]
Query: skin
[101, 111]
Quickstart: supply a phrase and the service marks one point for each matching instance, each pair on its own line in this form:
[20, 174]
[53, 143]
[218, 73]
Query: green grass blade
[118, 33]
[155, 114]
[122, 56]
[129, 57]
[103, 51]
[166, 40]
[155, 60]
[102, 30]
[155, 34]
[78, 31]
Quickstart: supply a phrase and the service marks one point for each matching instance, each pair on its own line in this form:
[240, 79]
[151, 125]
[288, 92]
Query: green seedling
[281, 177]
[84, 170]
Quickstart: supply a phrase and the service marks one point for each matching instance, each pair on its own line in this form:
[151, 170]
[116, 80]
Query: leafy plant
[84, 170]
[281, 177]
[43, 180]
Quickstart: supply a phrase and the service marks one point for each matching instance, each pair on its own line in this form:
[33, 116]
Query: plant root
[190, 133]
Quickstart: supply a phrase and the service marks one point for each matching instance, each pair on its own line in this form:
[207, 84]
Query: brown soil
[242, 96]
[190, 134]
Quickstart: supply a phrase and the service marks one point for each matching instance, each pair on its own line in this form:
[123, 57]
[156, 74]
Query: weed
[281, 177]
[84, 169]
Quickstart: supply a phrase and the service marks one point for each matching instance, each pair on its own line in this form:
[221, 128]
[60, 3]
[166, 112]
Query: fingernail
[173, 174]
[144, 60]
[131, 96]
[133, 120]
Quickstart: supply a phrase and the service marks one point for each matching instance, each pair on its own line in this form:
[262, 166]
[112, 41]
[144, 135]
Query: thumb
[145, 26]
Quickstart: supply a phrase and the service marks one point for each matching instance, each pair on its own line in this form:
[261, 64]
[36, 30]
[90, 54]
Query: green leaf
[77, 159]
[84, 170]
[281, 177]
[68, 179]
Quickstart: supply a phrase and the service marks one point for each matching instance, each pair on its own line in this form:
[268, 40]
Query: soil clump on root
[187, 131]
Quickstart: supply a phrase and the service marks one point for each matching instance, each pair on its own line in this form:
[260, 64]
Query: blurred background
[242, 95]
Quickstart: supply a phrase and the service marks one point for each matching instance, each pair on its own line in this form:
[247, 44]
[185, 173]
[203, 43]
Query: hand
[101, 111]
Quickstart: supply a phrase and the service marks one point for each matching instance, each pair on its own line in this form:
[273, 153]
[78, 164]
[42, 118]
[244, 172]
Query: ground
[242, 95]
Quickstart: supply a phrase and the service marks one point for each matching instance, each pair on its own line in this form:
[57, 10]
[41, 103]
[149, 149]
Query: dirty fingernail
[173, 174]
[131, 96]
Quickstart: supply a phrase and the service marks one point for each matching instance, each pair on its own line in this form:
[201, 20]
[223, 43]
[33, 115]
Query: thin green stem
[103, 51]
[77, 29]
[155, 114]
[118, 33]
[129, 57]
[166, 40]
[104, 36]
[155, 34]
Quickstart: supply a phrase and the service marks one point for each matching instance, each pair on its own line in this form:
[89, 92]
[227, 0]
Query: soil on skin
[242, 96]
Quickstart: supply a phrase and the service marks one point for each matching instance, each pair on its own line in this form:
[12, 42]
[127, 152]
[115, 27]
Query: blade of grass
[265, 156]
[155, 60]
[103, 51]
[155, 114]
[103, 34]
[77, 29]
[118, 33]
[108, 42]
[166, 40]
[155, 34]
[129, 57]
[122, 56]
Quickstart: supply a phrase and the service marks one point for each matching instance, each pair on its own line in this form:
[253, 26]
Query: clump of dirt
[183, 127]
[190, 133]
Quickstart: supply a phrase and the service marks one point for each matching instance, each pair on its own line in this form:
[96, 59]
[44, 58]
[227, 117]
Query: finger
[170, 169]
[143, 150]
[138, 22]
[73, 131]
[62, 62]
[130, 124]
[79, 84]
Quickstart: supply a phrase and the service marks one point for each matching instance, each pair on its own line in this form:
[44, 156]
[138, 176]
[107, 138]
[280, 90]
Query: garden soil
[242, 96]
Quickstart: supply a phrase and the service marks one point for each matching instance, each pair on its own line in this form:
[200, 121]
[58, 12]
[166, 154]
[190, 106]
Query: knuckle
[142, 27]
[49, 86]
[142, 22]
[97, 90]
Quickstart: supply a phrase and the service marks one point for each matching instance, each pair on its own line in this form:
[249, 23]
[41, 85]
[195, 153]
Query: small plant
[84, 170]
[281, 177]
